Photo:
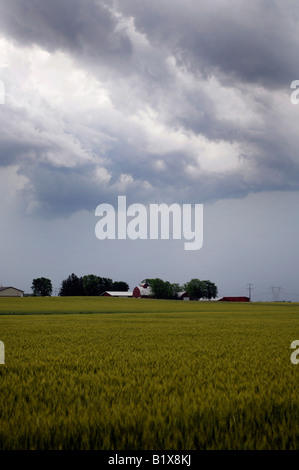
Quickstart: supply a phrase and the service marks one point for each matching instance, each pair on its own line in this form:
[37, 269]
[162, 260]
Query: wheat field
[131, 374]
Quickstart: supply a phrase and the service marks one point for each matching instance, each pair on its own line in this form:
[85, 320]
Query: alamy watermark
[2, 92]
[139, 222]
[295, 93]
[294, 358]
[2, 361]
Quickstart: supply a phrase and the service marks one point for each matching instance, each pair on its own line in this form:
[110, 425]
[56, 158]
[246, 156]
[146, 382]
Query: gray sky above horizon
[164, 102]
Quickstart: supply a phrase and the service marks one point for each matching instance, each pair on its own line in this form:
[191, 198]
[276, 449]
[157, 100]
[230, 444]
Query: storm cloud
[185, 101]
[162, 101]
[189, 101]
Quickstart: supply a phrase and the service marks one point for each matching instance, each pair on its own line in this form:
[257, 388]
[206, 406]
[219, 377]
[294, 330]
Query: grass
[118, 374]
[71, 305]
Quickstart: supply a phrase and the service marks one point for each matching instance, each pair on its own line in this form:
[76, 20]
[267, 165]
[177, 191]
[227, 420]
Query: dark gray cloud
[255, 41]
[197, 102]
[60, 191]
[86, 29]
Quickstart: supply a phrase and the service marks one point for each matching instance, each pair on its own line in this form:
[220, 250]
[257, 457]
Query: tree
[210, 290]
[120, 286]
[90, 284]
[163, 289]
[201, 289]
[104, 283]
[195, 288]
[175, 289]
[73, 285]
[96, 285]
[159, 288]
[42, 287]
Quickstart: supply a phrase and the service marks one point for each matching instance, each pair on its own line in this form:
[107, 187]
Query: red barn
[142, 291]
[234, 299]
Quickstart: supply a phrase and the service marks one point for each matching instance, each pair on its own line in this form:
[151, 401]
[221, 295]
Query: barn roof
[145, 290]
[234, 298]
[10, 287]
[118, 293]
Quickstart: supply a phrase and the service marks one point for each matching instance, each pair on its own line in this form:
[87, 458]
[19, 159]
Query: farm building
[183, 296]
[10, 292]
[234, 299]
[142, 291]
[116, 294]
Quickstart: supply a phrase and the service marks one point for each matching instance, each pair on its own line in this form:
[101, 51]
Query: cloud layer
[188, 102]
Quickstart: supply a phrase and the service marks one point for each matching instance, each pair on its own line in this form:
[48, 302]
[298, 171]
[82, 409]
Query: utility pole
[249, 290]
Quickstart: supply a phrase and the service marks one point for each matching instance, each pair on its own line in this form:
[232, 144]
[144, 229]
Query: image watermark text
[139, 222]
[2, 361]
[295, 93]
[295, 354]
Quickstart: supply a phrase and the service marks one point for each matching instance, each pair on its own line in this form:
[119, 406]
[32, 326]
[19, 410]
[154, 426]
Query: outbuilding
[183, 296]
[234, 299]
[116, 294]
[11, 292]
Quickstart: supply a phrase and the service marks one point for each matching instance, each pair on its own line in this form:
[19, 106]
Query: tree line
[195, 288]
[88, 285]
[93, 285]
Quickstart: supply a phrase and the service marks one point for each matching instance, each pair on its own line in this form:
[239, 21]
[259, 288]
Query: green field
[117, 374]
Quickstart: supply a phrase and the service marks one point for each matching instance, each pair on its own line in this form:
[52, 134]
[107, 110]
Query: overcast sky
[163, 101]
